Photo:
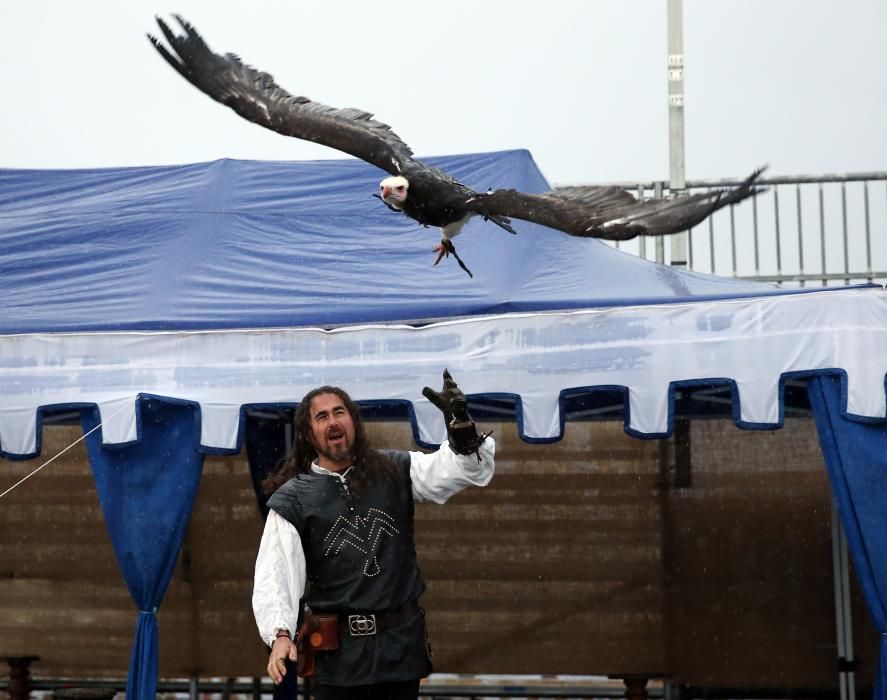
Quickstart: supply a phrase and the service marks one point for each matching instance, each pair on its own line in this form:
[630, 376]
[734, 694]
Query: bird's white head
[394, 190]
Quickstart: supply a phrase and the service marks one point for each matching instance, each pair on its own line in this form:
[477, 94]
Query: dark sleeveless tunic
[360, 558]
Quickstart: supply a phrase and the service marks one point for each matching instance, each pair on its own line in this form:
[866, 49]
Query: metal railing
[824, 230]
[262, 689]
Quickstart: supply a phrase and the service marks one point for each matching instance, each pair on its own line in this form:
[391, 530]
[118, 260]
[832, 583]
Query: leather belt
[365, 624]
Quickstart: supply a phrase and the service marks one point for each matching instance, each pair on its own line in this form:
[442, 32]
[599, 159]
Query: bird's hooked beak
[394, 190]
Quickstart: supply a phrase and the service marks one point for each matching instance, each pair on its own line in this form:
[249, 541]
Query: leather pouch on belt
[317, 633]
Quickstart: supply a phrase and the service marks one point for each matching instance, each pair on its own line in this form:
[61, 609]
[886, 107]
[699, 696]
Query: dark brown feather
[255, 96]
[610, 212]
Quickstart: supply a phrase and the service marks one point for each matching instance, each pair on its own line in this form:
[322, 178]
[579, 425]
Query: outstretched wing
[255, 96]
[610, 212]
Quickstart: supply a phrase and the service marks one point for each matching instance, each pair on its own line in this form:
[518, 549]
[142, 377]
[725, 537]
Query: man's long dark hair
[368, 463]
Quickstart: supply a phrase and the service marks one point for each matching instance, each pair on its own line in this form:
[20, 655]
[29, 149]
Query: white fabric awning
[751, 342]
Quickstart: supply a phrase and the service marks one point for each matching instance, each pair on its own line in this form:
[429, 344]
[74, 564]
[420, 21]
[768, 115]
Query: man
[340, 536]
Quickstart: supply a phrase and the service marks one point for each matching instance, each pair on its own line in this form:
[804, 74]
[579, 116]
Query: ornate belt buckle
[361, 625]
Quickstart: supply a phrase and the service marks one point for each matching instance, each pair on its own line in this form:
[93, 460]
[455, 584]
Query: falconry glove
[463, 436]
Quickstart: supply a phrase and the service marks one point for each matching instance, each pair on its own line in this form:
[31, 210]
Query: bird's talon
[442, 252]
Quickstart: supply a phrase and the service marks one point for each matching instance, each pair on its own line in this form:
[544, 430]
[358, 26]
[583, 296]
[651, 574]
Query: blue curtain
[147, 491]
[856, 458]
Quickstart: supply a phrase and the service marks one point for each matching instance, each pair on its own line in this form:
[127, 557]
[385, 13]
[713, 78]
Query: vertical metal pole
[642, 240]
[660, 244]
[711, 248]
[868, 232]
[777, 232]
[676, 178]
[754, 218]
[845, 232]
[843, 619]
[733, 240]
[801, 269]
[822, 236]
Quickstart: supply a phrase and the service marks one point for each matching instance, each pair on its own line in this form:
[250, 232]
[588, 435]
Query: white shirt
[280, 565]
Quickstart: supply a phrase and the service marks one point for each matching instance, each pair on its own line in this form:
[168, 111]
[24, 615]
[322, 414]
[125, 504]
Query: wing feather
[255, 96]
[610, 212]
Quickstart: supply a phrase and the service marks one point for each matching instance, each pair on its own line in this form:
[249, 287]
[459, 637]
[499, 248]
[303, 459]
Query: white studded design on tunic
[363, 533]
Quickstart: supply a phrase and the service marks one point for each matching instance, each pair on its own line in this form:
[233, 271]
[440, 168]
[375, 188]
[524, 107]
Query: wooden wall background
[578, 559]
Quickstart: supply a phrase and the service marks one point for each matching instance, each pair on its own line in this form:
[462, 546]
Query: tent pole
[843, 620]
[660, 244]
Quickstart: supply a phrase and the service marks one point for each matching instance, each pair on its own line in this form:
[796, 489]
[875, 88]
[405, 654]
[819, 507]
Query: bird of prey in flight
[424, 193]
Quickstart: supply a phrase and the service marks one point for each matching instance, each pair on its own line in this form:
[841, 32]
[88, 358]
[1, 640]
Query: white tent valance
[753, 343]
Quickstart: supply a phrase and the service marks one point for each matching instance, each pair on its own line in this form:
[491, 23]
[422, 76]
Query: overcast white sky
[798, 84]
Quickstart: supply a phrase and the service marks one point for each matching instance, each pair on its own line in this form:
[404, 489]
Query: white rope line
[52, 459]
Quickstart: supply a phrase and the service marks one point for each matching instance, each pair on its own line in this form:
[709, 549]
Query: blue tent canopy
[165, 302]
[247, 244]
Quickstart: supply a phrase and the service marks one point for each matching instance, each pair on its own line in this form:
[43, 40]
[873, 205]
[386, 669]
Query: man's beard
[336, 454]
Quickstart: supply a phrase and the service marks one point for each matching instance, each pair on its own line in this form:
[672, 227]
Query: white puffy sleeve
[279, 579]
[439, 475]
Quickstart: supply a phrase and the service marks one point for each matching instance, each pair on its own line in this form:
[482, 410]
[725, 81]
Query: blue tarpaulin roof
[250, 244]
